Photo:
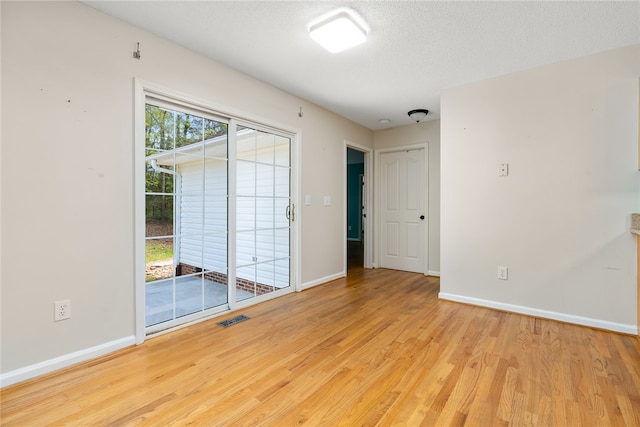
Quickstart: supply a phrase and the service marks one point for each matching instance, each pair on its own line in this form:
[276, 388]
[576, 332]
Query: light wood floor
[377, 348]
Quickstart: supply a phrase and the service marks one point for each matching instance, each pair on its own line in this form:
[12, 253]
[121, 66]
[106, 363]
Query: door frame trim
[424, 146]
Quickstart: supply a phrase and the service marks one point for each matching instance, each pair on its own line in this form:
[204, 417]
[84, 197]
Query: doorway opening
[355, 208]
[357, 198]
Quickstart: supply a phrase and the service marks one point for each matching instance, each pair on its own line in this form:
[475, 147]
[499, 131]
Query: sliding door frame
[144, 89]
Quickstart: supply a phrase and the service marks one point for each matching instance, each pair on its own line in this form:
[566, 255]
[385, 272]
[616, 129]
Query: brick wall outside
[242, 284]
[248, 285]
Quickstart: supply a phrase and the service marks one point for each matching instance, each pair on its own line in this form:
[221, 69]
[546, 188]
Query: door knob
[421, 216]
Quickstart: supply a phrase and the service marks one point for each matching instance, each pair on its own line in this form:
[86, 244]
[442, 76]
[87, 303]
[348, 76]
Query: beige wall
[420, 133]
[67, 170]
[560, 221]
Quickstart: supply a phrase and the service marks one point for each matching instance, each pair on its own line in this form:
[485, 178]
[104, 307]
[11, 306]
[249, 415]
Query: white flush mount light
[339, 30]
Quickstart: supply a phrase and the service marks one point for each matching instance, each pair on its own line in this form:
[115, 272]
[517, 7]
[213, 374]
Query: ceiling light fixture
[384, 121]
[339, 30]
[418, 115]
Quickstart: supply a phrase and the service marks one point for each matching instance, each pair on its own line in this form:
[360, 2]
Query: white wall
[67, 170]
[560, 220]
[419, 133]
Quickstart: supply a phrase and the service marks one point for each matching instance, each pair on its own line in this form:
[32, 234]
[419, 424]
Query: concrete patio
[190, 297]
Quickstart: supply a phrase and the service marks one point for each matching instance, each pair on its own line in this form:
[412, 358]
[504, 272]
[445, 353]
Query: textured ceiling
[415, 49]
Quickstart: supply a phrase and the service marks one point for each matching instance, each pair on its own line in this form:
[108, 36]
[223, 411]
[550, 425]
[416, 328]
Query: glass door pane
[186, 214]
[262, 213]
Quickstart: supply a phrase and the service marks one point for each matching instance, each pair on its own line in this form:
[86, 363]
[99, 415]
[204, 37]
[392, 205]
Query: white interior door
[403, 221]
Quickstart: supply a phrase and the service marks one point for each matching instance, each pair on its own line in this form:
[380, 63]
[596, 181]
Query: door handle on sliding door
[291, 212]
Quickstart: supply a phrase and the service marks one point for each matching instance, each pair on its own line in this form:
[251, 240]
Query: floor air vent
[233, 321]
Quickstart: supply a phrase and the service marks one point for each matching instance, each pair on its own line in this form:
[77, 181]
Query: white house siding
[262, 238]
[202, 214]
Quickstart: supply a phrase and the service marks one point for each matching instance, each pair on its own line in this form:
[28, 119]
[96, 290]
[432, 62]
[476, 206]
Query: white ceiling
[415, 49]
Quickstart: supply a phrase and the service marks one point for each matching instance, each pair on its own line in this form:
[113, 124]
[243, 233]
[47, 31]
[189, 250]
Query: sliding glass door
[197, 261]
[263, 212]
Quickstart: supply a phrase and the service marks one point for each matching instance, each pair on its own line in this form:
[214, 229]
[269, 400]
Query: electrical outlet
[61, 310]
[503, 273]
[503, 170]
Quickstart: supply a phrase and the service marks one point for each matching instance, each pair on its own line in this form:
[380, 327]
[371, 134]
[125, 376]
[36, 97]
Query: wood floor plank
[374, 349]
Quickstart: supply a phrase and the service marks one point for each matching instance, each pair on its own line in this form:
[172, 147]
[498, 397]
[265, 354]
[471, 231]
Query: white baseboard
[536, 312]
[51, 365]
[433, 273]
[322, 280]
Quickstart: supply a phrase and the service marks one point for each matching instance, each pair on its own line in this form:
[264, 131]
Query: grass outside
[157, 250]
